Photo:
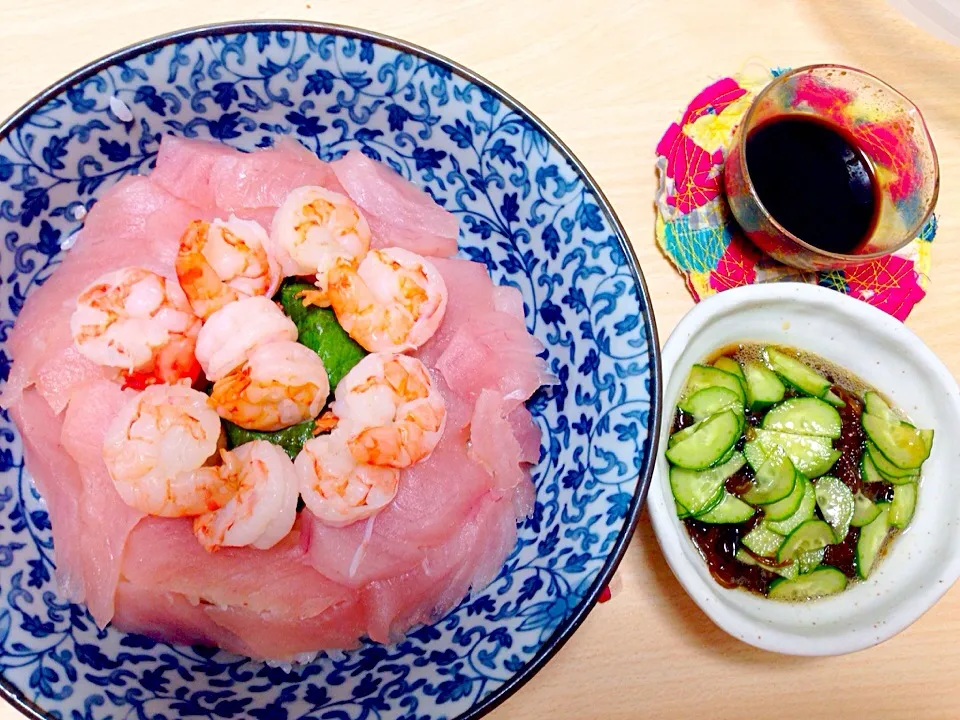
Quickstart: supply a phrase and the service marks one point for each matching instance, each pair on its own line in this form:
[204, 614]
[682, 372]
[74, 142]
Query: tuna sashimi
[215, 175]
[386, 234]
[135, 223]
[105, 519]
[470, 557]
[356, 554]
[164, 553]
[57, 478]
[494, 445]
[170, 618]
[382, 193]
[262, 637]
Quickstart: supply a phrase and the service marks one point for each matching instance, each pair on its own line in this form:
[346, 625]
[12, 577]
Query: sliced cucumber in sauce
[763, 541]
[864, 511]
[755, 454]
[903, 505]
[683, 434]
[698, 491]
[764, 388]
[876, 405]
[819, 583]
[811, 535]
[785, 508]
[730, 510]
[804, 416]
[774, 480]
[811, 455]
[804, 512]
[729, 365]
[713, 400]
[871, 541]
[796, 373]
[887, 470]
[705, 376]
[836, 505]
[708, 445]
[788, 571]
[810, 560]
[901, 443]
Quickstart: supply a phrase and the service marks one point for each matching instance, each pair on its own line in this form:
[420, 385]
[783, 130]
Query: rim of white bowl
[703, 591]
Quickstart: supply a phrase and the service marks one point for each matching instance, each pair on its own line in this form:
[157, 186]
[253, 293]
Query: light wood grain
[608, 76]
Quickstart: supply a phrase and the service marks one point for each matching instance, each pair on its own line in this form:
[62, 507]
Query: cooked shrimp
[280, 384]
[393, 302]
[223, 261]
[140, 322]
[313, 229]
[263, 503]
[228, 336]
[389, 410]
[157, 448]
[336, 488]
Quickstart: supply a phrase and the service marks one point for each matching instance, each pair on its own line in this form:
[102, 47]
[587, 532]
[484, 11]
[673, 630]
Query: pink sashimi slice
[494, 445]
[524, 498]
[57, 478]
[527, 434]
[472, 556]
[164, 553]
[494, 351]
[135, 223]
[470, 293]
[210, 174]
[382, 193]
[436, 493]
[105, 519]
[385, 234]
[269, 638]
[356, 554]
[170, 618]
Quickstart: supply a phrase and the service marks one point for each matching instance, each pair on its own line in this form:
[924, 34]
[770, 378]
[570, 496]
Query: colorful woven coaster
[697, 232]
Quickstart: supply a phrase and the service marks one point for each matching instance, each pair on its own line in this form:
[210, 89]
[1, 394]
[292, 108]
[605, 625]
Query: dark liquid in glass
[814, 180]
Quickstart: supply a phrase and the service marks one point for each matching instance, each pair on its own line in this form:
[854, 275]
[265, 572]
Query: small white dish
[922, 563]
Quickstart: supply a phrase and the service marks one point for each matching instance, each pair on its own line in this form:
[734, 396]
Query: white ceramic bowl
[923, 562]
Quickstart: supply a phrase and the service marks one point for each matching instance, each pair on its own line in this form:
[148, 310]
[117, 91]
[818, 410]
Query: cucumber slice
[728, 364]
[831, 397]
[685, 433]
[787, 571]
[864, 511]
[868, 471]
[810, 560]
[700, 491]
[713, 400]
[708, 445]
[797, 374]
[811, 535]
[804, 416]
[811, 455]
[704, 376]
[876, 405]
[903, 504]
[774, 480]
[872, 538]
[819, 583]
[682, 512]
[730, 510]
[888, 471]
[803, 513]
[763, 541]
[755, 454]
[782, 509]
[836, 505]
[763, 386]
[901, 443]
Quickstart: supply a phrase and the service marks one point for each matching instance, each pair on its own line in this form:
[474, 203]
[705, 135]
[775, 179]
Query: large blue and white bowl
[527, 209]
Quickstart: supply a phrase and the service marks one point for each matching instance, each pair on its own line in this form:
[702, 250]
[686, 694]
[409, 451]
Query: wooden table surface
[608, 76]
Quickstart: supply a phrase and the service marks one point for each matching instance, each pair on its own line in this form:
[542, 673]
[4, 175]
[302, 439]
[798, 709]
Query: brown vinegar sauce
[717, 544]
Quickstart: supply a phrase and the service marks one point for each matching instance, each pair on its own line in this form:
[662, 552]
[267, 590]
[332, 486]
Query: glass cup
[887, 129]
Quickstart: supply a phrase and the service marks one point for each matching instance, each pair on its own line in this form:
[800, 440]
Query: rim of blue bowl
[12, 694]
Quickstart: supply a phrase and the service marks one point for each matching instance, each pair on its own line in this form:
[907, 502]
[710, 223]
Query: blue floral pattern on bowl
[527, 210]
